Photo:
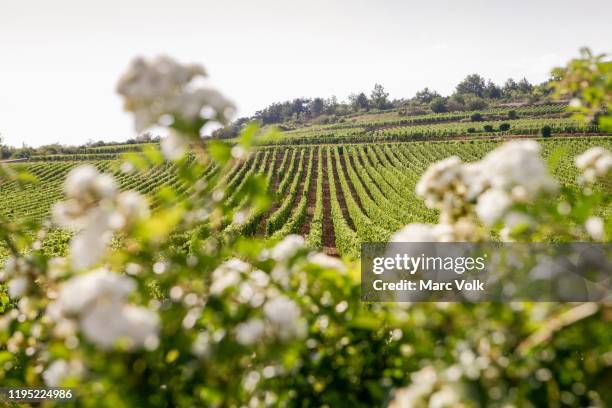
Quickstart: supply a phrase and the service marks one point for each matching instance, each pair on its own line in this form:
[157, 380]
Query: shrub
[476, 117]
[471, 130]
[488, 128]
[512, 114]
[546, 131]
[504, 127]
[475, 103]
[438, 105]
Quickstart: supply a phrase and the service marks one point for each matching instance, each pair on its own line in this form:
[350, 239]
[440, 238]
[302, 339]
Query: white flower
[284, 316]
[595, 162]
[149, 85]
[11, 267]
[423, 382]
[192, 103]
[55, 374]
[201, 345]
[18, 286]
[287, 248]
[595, 227]
[419, 232]
[447, 397]
[162, 86]
[492, 205]
[142, 327]
[98, 300]
[88, 245]
[439, 177]
[69, 214]
[133, 205]
[475, 181]
[108, 322]
[89, 193]
[443, 187]
[174, 146]
[59, 370]
[228, 274]
[95, 210]
[83, 291]
[282, 311]
[86, 182]
[249, 332]
[518, 163]
[326, 261]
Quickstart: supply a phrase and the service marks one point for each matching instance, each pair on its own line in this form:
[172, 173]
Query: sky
[60, 60]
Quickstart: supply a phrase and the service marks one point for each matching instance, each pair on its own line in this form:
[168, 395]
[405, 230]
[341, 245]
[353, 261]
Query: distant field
[336, 195]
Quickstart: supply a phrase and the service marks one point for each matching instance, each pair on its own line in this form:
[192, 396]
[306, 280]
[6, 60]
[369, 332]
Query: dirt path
[339, 195]
[329, 235]
[276, 178]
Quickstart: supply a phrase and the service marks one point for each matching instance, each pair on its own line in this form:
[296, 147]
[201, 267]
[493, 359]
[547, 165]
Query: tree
[492, 91]
[331, 105]
[316, 107]
[438, 105]
[472, 84]
[524, 86]
[509, 87]
[426, 95]
[298, 106]
[379, 97]
[359, 102]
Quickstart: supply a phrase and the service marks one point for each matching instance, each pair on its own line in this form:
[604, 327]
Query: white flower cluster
[422, 392]
[59, 370]
[512, 173]
[594, 163]
[161, 88]
[443, 187]
[282, 320]
[98, 301]
[281, 317]
[96, 209]
[18, 273]
[440, 389]
[252, 287]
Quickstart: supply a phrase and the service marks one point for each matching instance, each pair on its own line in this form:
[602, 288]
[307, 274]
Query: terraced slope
[392, 126]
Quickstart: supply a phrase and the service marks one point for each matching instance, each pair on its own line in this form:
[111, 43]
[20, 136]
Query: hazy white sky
[60, 60]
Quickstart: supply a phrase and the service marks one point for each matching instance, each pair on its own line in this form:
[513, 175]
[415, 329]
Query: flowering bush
[159, 308]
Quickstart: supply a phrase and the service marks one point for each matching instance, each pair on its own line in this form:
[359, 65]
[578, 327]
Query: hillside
[337, 195]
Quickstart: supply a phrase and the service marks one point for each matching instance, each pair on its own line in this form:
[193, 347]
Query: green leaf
[220, 151]
[605, 123]
[137, 160]
[152, 153]
[248, 134]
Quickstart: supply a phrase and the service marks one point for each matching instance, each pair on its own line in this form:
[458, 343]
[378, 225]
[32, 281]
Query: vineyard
[393, 126]
[336, 195]
[225, 271]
